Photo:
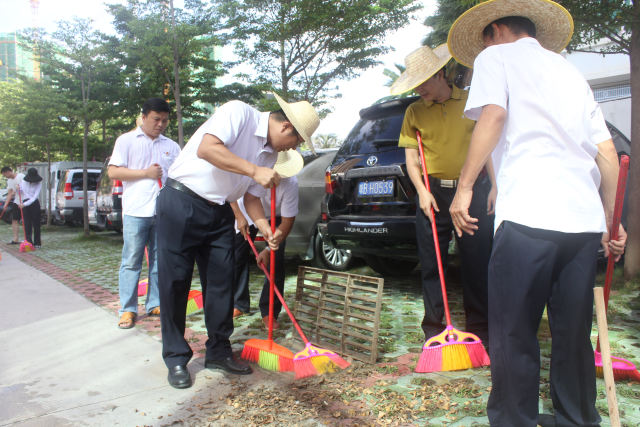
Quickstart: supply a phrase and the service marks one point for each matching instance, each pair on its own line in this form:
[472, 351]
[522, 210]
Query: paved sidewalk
[63, 361]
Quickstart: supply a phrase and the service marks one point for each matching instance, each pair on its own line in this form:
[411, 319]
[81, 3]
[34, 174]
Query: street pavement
[63, 360]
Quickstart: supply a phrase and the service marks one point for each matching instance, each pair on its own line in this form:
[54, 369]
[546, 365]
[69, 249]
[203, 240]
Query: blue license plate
[375, 188]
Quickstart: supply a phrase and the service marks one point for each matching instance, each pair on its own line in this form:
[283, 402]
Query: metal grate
[611, 93]
[340, 311]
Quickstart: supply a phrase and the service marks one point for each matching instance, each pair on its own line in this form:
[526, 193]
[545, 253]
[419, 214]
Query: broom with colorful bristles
[311, 360]
[622, 369]
[266, 353]
[451, 350]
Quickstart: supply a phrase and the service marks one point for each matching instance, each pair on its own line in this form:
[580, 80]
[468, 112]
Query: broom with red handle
[451, 350]
[25, 246]
[311, 360]
[266, 353]
[622, 369]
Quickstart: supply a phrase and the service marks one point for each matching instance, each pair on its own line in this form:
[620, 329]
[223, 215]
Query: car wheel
[327, 255]
[390, 266]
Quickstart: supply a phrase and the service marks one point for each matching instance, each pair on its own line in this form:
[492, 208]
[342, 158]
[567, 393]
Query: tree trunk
[632, 257]
[85, 179]
[176, 78]
[49, 182]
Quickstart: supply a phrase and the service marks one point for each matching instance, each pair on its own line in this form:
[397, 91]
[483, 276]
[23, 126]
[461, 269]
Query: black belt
[177, 185]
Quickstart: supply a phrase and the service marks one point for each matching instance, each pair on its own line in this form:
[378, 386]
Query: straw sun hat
[302, 116]
[420, 65]
[554, 25]
[289, 163]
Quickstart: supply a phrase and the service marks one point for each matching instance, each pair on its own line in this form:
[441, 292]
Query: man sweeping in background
[551, 149]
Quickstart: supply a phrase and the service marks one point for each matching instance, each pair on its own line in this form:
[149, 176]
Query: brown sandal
[127, 320]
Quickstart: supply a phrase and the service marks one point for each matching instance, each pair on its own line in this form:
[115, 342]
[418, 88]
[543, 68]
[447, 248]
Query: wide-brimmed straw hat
[289, 163]
[554, 25]
[32, 175]
[420, 65]
[302, 116]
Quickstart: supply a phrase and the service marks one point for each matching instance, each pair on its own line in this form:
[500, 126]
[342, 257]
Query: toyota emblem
[372, 161]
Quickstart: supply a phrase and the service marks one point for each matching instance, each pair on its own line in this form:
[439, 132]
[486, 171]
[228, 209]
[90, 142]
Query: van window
[76, 181]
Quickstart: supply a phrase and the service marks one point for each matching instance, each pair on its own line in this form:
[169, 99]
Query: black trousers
[474, 252]
[530, 269]
[32, 222]
[241, 282]
[190, 228]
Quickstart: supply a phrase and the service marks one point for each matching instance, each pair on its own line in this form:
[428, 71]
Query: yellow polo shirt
[446, 133]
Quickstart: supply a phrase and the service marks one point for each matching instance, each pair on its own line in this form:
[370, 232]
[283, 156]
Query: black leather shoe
[179, 377]
[229, 365]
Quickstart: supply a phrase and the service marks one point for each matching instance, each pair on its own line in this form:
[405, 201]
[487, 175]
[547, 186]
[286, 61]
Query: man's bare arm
[213, 150]
[125, 174]
[484, 139]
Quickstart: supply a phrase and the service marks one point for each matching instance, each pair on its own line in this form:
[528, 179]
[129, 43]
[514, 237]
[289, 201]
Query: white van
[70, 197]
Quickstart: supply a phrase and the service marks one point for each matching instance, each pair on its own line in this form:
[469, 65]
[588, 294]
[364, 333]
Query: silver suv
[69, 195]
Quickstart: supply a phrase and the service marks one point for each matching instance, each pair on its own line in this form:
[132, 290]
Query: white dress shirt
[30, 191]
[14, 184]
[545, 165]
[243, 130]
[286, 200]
[135, 150]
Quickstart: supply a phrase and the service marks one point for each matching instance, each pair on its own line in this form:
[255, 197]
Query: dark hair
[517, 24]
[6, 169]
[280, 116]
[158, 105]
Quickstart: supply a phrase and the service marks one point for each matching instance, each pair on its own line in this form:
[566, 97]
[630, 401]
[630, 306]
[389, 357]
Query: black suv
[369, 206]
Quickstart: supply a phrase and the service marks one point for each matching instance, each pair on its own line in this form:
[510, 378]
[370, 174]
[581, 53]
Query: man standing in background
[141, 159]
[13, 185]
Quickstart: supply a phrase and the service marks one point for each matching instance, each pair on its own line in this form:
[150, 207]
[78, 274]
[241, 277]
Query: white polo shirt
[243, 130]
[545, 165]
[135, 150]
[286, 200]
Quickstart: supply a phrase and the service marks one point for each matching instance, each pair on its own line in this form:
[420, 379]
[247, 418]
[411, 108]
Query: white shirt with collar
[545, 165]
[286, 200]
[243, 130]
[136, 150]
[14, 184]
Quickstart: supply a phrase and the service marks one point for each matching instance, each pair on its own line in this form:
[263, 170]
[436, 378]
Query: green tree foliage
[440, 22]
[301, 47]
[329, 140]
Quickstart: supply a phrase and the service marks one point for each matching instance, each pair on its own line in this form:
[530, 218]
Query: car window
[76, 181]
[370, 134]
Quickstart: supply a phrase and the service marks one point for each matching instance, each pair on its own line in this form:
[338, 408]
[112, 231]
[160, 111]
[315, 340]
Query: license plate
[375, 188]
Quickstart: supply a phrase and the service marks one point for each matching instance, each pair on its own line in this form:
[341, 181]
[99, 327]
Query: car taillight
[116, 189]
[68, 191]
[329, 183]
[324, 216]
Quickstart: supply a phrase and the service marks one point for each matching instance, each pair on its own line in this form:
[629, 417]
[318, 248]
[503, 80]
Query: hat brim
[411, 79]
[554, 26]
[289, 163]
[288, 111]
[32, 179]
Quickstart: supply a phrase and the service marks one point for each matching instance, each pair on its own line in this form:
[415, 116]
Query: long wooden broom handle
[434, 231]
[277, 292]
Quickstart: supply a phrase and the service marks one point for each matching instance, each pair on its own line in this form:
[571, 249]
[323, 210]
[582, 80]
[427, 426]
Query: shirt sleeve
[289, 207]
[488, 84]
[119, 155]
[227, 121]
[257, 190]
[599, 132]
[408, 138]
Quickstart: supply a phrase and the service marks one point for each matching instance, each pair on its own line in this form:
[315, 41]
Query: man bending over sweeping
[537, 117]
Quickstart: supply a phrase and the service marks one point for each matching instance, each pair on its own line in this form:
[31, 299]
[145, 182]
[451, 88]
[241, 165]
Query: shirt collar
[456, 93]
[262, 130]
[528, 40]
[139, 132]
